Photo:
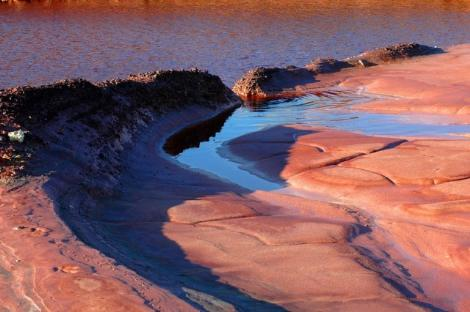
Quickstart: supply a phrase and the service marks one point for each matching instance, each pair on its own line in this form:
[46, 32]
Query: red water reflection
[44, 41]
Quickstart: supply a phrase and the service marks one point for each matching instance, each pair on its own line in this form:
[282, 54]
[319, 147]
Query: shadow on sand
[129, 227]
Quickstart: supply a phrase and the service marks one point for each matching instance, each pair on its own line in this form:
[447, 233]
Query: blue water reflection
[332, 109]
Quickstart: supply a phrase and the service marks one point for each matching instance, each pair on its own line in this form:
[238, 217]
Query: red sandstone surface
[365, 223]
[46, 268]
[408, 197]
[413, 195]
[435, 85]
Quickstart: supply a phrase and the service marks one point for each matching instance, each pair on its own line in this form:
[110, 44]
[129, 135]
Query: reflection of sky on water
[331, 109]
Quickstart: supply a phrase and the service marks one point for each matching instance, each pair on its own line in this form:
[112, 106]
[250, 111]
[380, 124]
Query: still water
[44, 41]
[334, 109]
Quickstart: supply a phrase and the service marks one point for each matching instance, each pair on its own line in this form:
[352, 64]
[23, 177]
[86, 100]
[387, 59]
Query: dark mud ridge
[266, 83]
[88, 123]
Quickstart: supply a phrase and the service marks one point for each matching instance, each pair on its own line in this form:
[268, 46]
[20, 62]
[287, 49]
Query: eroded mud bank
[62, 149]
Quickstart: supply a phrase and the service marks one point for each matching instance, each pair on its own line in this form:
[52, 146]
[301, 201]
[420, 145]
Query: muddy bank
[90, 122]
[264, 83]
[62, 147]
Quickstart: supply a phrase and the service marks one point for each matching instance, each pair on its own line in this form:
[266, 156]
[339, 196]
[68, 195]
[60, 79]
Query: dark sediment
[393, 53]
[90, 122]
[263, 82]
[325, 66]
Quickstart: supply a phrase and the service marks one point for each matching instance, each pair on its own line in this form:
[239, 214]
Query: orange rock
[336, 175]
[286, 230]
[419, 162]
[296, 276]
[437, 84]
[202, 210]
[413, 194]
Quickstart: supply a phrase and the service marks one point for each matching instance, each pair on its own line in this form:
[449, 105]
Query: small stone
[33, 231]
[17, 136]
[365, 63]
[40, 231]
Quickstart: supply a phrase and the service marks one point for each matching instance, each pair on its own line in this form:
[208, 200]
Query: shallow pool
[333, 109]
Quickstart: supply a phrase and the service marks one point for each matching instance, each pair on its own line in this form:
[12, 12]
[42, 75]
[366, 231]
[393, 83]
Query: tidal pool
[332, 109]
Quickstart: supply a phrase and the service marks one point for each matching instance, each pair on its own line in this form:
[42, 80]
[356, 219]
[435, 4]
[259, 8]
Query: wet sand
[364, 223]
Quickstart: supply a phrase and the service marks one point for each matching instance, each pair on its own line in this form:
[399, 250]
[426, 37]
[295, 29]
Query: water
[50, 40]
[333, 109]
[44, 41]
